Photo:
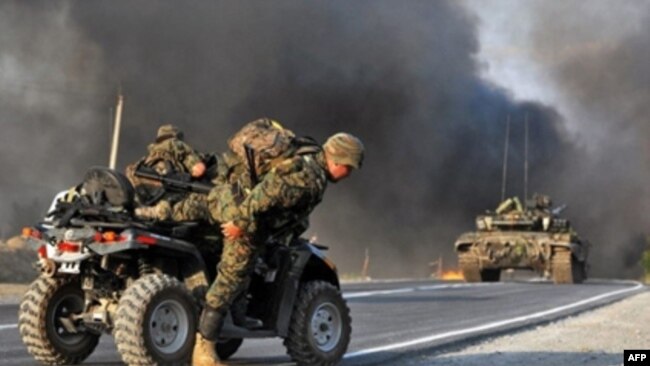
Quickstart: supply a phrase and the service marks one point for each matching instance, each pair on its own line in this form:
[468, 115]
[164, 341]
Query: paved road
[391, 319]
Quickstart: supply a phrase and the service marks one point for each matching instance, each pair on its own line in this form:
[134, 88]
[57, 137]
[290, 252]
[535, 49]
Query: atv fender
[309, 263]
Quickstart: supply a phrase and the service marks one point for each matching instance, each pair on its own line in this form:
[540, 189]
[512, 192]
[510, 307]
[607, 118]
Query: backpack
[266, 143]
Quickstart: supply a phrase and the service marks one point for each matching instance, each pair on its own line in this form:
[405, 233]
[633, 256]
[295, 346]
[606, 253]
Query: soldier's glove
[231, 231]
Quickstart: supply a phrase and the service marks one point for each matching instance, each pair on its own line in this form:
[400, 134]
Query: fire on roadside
[452, 275]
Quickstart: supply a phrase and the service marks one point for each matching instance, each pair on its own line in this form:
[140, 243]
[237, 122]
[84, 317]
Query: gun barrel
[558, 210]
[177, 184]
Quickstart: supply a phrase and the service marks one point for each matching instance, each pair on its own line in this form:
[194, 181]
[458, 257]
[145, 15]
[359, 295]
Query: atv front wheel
[320, 329]
[47, 301]
[156, 322]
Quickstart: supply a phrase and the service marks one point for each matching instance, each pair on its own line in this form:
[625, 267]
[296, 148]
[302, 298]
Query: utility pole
[116, 131]
[439, 270]
[366, 265]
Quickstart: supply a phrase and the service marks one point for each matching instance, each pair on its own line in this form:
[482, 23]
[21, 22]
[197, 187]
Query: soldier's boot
[205, 353]
[160, 211]
[210, 324]
[238, 312]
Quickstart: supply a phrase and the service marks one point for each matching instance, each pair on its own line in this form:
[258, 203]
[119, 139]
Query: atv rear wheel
[45, 303]
[227, 347]
[156, 322]
[469, 265]
[320, 329]
[566, 269]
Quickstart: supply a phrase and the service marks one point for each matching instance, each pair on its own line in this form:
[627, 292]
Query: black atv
[103, 271]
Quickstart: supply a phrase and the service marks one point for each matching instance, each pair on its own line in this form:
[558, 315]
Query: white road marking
[8, 326]
[541, 314]
[354, 295]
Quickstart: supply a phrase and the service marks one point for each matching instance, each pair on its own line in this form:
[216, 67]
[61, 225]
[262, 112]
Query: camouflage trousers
[194, 207]
[237, 258]
[233, 275]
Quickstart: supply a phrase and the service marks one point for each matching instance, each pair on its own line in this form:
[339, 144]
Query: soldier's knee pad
[210, 323]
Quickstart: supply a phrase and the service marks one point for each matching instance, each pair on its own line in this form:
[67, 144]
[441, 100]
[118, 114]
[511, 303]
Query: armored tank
[516, 237]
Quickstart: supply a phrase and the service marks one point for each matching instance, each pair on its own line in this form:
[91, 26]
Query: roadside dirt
[11, 293]
[595, 338]
[16, 262]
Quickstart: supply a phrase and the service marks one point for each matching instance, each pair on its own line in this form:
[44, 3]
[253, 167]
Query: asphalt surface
[397, 318]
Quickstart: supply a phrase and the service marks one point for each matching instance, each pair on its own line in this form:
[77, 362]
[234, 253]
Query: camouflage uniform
[230, 170]
[180, 156]
[278, 206]
[284, 198]
[170, 154]
[287, 194]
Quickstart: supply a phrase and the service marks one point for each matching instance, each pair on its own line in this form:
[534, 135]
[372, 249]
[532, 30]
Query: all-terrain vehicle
[516, 238]
[104, 271]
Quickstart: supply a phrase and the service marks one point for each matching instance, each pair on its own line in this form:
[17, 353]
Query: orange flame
[452, 275]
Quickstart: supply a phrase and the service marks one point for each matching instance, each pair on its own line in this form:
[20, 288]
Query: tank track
[565, 269]
[469, 265]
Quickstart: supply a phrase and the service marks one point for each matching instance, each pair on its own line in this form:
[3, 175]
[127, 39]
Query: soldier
[285, 195]
[543, 202]
[169, 153]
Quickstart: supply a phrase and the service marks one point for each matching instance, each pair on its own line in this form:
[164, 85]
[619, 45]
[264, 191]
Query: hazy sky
[524, 44]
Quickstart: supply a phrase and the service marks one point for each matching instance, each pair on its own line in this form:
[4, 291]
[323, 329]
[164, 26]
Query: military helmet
[169, 131]
[344, 148]
[542, 200]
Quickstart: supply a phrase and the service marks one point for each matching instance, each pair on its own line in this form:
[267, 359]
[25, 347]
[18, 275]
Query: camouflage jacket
[282, 201]
[171, 151]
[231, 170]
[169, 155]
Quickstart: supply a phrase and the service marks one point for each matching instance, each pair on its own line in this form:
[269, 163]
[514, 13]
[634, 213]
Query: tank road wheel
[44, 304]
[491, 275]
[566, 269]
[468, 264]
[319, 332]
[156, 322]
[227, 347]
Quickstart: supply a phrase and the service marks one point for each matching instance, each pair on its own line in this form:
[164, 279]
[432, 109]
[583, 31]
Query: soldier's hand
[231, 231]
[198, 170]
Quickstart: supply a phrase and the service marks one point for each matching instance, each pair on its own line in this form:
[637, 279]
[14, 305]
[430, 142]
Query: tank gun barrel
[558, 210]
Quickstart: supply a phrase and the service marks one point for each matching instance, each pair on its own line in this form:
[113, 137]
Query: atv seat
[176, 229]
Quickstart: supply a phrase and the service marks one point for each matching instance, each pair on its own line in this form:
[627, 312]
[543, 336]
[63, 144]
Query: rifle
[177, 182]
[250, 159]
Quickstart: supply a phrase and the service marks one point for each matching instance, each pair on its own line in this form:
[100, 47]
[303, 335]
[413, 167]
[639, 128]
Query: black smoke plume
[403, 78]
[598, 64]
